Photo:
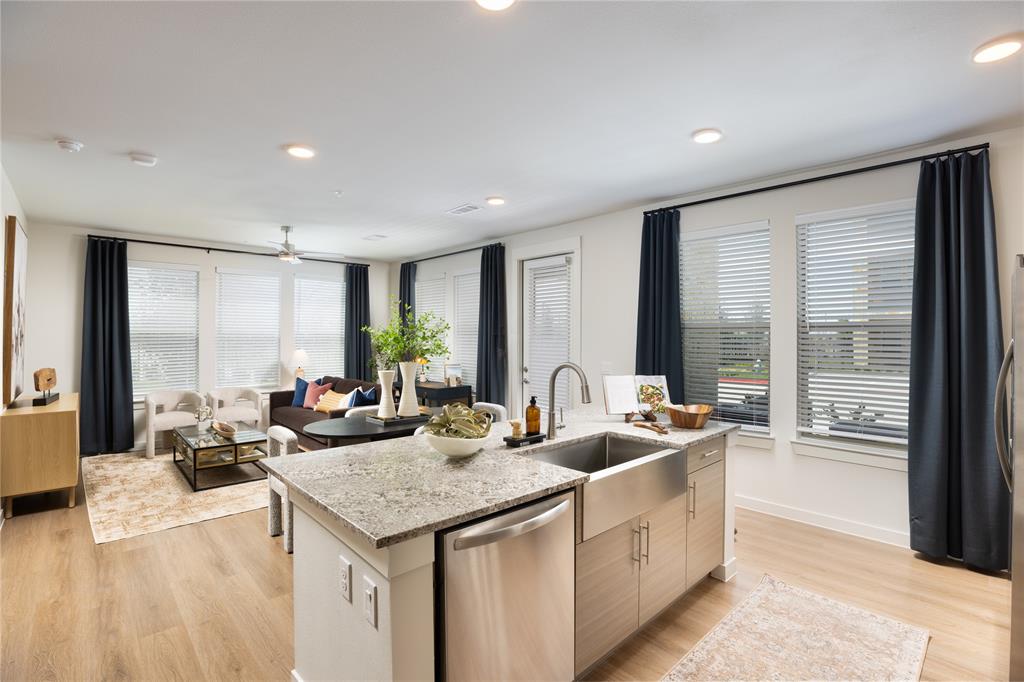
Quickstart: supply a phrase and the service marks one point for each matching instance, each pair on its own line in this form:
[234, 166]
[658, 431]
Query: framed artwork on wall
[15, 290]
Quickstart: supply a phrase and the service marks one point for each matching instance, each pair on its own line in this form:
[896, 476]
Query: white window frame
[340, 279]
[689, 236]
[281, 293]
[866, 449]
[157, 265]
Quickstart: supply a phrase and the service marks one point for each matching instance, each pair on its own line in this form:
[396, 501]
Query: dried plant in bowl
[458, 431]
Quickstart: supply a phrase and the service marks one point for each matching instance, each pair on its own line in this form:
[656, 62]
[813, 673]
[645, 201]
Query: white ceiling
[567, 109]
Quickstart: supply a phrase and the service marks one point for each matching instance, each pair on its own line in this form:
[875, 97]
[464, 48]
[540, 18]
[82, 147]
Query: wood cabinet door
[705, 531]
[607, 586]
[662, 556]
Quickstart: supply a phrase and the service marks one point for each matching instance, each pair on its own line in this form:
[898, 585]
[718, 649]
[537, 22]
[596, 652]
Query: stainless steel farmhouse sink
[627, 477]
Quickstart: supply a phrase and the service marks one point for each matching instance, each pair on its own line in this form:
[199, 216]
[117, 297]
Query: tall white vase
[408, 405]
[386, 377]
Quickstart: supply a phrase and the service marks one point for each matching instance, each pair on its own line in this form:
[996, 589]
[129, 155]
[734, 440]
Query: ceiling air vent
[462, 210]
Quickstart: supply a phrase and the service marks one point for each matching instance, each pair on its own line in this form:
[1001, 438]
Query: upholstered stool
[280, 441]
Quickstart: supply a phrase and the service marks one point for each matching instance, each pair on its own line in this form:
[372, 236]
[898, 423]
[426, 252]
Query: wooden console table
[39, 449]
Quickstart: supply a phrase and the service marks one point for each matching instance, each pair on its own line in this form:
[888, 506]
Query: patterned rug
[129, 495]
[781, 632]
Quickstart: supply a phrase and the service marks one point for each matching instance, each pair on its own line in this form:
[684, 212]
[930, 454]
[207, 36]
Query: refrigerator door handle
[521, 528]
[999, 417]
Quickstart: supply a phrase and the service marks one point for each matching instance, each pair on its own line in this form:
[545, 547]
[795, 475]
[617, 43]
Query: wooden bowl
[689, 416]
[224, 429]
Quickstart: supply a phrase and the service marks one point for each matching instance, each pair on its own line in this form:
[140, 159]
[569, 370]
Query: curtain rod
[819, 178]
[220, 249]
[453, 253]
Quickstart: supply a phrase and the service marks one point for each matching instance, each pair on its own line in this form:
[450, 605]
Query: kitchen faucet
[585, 388]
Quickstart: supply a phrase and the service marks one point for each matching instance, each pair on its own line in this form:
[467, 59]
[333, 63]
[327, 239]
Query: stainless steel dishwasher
[508, 595]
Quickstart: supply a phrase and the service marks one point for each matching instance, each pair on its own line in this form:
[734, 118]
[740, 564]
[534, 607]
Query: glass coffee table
[208, 460]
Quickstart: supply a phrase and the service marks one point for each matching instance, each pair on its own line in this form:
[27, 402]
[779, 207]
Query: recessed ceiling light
[495, 5]
[707, 135]
[69, 145]
[337, 192]
[300, 151]
[1000, 48]
[496, 201]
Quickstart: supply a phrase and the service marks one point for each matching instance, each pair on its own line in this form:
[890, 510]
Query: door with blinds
[547, 327]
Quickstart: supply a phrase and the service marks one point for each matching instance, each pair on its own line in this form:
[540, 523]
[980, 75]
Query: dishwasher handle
[516, 529]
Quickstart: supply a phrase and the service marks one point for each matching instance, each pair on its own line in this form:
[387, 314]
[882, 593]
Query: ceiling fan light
[495, 5]
[1000, 48]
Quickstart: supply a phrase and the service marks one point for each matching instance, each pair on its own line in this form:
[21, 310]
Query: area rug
[128, 495]
[781, 632]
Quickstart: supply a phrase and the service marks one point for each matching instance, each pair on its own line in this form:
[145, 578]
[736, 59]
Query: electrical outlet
[370, 601]
[345, 580]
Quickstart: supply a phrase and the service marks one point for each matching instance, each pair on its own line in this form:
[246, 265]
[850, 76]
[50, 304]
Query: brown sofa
[296, 418]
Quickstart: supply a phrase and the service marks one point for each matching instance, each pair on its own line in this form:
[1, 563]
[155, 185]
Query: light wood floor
[213, 600]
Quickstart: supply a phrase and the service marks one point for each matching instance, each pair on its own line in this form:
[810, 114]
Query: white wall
[861, 498]
[56, 273]
[9, 205]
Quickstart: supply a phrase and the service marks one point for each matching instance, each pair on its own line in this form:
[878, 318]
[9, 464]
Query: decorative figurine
[517, 428]
[45, 379]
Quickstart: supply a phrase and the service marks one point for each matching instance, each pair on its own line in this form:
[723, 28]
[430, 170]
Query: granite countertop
[394, 490]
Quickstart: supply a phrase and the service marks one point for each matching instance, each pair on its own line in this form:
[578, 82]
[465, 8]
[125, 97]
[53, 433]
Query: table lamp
[299, 358]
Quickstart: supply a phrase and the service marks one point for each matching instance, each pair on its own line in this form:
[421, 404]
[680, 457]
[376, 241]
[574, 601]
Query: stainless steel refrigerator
[1010, 447]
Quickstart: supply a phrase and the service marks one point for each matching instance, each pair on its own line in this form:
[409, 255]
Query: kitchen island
[370, 522]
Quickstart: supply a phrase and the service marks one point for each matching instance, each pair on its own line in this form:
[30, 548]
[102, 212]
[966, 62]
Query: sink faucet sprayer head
[586, 392]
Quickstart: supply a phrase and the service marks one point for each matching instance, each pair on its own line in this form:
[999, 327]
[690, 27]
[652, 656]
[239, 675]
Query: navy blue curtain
[492, 333]
[106, 406]
[407, 289]
[959, 504]
[357, 316]
[659, 344]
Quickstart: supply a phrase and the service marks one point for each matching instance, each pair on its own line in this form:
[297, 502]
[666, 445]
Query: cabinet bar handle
[636, 533]
[709, 453]
[693, 500]
[646, 555]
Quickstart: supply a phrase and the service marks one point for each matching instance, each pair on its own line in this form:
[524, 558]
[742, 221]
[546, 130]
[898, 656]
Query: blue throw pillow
[362, 397]
[300, 392]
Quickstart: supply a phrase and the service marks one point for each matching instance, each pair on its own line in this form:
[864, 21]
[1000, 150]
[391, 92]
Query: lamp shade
[300, 358]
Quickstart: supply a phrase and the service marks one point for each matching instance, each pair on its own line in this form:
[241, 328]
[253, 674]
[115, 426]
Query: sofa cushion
[362, 396]
[313, 393]
[300, 392]
[332, 400]
[296, 418]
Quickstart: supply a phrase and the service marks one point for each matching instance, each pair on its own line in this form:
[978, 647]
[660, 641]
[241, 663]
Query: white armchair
[354, 412]
[280, 441]
[167, 409]
[237, 405]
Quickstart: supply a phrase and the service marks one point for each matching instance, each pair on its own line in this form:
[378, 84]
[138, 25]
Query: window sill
[759, 440]
[851, 453]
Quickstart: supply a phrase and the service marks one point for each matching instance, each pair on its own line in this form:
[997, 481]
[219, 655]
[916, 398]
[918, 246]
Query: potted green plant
[421, 335]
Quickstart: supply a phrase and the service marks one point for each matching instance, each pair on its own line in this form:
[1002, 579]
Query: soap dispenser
[532, 417]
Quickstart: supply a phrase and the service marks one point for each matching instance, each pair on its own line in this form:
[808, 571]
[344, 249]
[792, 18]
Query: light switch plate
[370, 601]
[345, 579]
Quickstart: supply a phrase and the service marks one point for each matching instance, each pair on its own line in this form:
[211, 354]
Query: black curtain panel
[492, 333]
[959, 504]
[407, 289]
[659, 344]
[106, 383]
[357, 316]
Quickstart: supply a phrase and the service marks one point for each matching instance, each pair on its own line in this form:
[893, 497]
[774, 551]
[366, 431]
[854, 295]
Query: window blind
[548, 326]
[320, 325]
[163, 322]
[855, 280]
[248, 329]
[430, 297]
[725, 295]
[465, 324]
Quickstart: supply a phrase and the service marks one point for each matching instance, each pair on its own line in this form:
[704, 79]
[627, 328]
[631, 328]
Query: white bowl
[455, 447]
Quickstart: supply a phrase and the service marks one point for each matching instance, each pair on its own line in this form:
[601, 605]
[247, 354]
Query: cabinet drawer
[700, 456]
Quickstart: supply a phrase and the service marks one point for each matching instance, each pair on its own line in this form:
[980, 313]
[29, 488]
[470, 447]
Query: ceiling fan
[286, 250]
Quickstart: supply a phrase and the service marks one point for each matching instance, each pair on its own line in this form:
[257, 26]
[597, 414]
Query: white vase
[386, 377]
[408, 405]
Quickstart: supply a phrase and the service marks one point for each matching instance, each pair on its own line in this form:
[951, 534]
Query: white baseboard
[862, 530]
[296, 677]
[725, 572]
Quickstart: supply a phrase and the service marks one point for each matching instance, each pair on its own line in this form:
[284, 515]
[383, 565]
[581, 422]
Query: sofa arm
[281, 399]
